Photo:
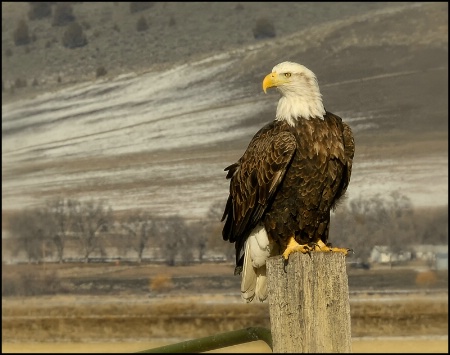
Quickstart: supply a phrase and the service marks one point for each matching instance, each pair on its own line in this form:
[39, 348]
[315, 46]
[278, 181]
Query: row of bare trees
[174, 238]
[389, 221]
[90, 228]
[46, 231]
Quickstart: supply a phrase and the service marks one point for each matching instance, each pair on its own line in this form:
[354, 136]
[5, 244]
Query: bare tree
[140, 228]
[215, 239]
[21, 34]
[346, 231]
[91, 221]
[31, 231]
[59, 213]
[215, 211]
[390, 220]
[198, 238]
[400, 217]
[374, 221]
[173, 239]
[431, 225]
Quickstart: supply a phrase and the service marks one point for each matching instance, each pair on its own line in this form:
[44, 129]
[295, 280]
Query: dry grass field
[171, 311]
[127, 324]
[378, 345]
[100, 318]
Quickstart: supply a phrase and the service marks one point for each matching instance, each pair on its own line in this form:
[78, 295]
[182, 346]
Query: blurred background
[118, 120]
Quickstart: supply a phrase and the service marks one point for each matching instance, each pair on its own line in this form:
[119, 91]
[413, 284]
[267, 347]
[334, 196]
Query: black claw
[312, 246]
[285, 263]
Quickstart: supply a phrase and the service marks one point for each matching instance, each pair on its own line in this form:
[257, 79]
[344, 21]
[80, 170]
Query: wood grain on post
[309, 303]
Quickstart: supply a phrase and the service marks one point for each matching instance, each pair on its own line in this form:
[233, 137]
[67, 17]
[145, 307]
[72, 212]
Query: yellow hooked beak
[273, 80]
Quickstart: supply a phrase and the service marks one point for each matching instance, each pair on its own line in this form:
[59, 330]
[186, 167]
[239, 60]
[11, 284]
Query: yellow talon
[321, 246]
[293, 246]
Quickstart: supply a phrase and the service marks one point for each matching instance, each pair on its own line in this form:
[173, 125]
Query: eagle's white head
[300, 94]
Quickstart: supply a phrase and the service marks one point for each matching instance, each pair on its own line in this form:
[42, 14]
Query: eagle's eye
[287, 75]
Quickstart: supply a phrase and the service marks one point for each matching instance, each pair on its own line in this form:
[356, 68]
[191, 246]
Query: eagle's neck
[294, 105]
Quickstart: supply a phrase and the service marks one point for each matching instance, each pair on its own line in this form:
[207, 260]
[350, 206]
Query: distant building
[442, 261]
[382, 254]
[427, 252]
[435, 255]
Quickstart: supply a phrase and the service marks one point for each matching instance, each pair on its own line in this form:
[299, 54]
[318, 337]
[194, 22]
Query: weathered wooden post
[309, 303]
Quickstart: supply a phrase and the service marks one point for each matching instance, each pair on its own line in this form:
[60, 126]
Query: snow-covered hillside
[160, 140]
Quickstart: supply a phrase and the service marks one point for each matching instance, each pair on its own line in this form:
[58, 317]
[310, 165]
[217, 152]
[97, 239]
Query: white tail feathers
[261, 283]
[248, 283]
[257, 251]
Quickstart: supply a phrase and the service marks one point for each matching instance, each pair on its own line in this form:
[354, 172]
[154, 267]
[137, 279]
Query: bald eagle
[291, 176]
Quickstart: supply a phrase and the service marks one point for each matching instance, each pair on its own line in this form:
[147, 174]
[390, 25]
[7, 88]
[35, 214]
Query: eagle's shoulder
[345, 132]
[272, 144]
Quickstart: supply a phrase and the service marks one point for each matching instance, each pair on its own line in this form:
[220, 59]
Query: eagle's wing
[349, 152]
[254, 181]
[349, 148]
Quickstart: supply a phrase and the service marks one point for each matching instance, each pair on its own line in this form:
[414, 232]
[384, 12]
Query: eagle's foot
[344, 251]
[321, 246]
[293, 247]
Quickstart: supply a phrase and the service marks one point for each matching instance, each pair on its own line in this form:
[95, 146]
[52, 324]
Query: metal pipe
[217, 341]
